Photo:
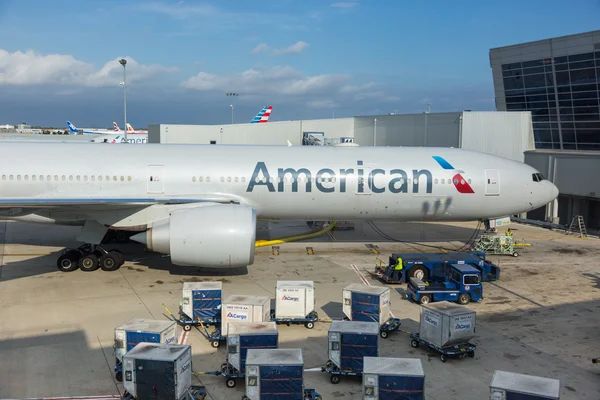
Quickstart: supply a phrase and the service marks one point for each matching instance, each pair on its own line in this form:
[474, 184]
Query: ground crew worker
[509, 232]
[398, 269]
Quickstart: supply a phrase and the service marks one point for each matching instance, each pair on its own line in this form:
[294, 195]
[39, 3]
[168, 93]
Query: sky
[309, 59]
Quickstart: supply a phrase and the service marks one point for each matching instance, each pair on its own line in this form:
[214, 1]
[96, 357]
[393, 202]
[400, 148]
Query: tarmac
[57, 329]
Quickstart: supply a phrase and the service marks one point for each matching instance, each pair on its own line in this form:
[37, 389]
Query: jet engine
[208, 236]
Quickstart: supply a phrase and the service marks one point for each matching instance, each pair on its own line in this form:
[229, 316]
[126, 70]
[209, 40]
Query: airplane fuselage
[298, 182]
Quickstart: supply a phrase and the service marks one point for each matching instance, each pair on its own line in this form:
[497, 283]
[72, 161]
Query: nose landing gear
[90, 257]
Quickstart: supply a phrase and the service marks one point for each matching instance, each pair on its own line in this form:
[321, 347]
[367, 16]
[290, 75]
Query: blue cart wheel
[414, 343]
[335, 379]
[215, 343]
[187, 327]
[231, 383]
[309, 325]
[443, 358]
[119, 376]
[383, 334]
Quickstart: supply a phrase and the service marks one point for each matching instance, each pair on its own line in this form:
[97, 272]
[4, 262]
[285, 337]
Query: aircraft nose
[553, 191]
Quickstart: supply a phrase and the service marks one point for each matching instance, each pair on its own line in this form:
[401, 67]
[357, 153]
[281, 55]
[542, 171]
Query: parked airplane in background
[263, 116]
[130, 129]
[75, 131]
[193, 203]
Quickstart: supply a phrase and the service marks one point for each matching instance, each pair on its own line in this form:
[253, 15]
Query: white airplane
[130, 129]
[74, 130]
[193, 203]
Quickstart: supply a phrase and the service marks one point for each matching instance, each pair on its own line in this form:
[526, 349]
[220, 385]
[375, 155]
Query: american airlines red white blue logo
[459, 182]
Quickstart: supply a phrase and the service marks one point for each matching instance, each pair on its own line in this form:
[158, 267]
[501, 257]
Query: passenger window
[208, 179]
[93, 178]
[78, 178]
[70, 177]
[11, 177]
[435, 181]
[443, 181]
[129, 178]
[33, 177]
[200, 179]
[3, 177]
[236, 179]
[18, 177]
[193, 179]
[243, 179]
[229, 179]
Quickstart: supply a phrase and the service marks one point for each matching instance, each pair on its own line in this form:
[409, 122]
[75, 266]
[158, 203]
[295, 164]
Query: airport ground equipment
[498, 245]
[461, 284]
[509, 385]
[160, 372]
[431, 265]
[295, 303]
[239, 308]
[90, 257]
[242, 337]
[446, 328]
[386, 378]
[276, 374]
[370, 304]
[349, 343]
[138, 330]
[200, 302]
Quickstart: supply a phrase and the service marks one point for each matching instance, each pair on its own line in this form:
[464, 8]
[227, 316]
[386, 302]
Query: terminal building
[558, 80]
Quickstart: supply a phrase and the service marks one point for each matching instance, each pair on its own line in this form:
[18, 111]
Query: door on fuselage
[492, 182]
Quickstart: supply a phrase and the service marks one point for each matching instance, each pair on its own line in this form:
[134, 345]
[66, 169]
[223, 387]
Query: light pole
[231, 105]
[123, 62]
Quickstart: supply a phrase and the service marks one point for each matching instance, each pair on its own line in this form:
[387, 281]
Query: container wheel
[119, 376]
[425, 299]
[443, 358]
[414, 343]
[89, 263]
[215, 343]
[309, 325]
[335, 379]
[187, 327]
[471, 354]
[464, 298]
[515, 254]
[231, 383]
[383, 334]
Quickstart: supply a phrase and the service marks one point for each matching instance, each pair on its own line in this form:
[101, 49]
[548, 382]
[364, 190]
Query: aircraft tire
[89, 263]
[110, 262]
[68, 261]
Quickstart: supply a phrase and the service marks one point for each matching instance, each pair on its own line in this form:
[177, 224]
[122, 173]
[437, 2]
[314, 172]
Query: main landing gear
[90, 257]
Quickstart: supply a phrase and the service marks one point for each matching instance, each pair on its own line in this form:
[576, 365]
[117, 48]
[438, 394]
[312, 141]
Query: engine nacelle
[208, 236]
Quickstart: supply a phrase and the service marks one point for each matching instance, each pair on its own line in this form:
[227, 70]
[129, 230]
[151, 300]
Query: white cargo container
[446, 324]
[366, 303]
[294, 299]
[238, 308]
[244, 336]
[385, 377]
[526, 387]
[158, 371]
[271, 371]
[139, 330]
[202, 300]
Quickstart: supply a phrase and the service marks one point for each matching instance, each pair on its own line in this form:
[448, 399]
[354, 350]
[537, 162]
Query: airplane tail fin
[263, 116]
[129, 128]
[117, 129]
[72, 128]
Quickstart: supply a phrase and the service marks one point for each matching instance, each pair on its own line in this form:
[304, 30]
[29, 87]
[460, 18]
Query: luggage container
[295, 303]
[158, 371]
[200, 303]
[370, 304]
[349, 342]
[387, 378]
[138, 330]
[273, 374]
[509, 385]
[242, 337]
[446, 328]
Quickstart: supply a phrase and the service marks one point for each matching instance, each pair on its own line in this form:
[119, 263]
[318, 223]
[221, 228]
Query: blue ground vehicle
[461, 284]
[425, 266]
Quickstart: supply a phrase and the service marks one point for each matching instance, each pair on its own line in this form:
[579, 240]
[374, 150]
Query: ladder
[578, 225]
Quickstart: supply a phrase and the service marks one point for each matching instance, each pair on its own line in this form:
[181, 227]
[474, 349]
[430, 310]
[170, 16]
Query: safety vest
[399, 265]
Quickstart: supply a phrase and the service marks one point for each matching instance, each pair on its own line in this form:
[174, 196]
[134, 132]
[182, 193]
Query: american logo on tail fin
[263, 116]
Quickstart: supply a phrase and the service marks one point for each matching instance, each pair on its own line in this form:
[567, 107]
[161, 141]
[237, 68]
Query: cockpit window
[537, 177]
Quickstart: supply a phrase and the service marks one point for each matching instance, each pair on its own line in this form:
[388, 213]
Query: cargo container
[446, 324]
[387, 378]
[349, 342]
[238, 308]
[294, 299]
[512, 386]
[242, 337]
[202, 300]
[273, 374]
[158, 371]
[138, 330]
[446, 328]
[366, 303]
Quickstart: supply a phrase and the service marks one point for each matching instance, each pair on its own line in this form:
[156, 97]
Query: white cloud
[321, 104]
[274, 80]
[31, 68]
[260, 48]
[344, 4]
[296, 48]
[357, 88]
[179, 10]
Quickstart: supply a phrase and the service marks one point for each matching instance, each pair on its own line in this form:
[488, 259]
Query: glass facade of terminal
[563, 96]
